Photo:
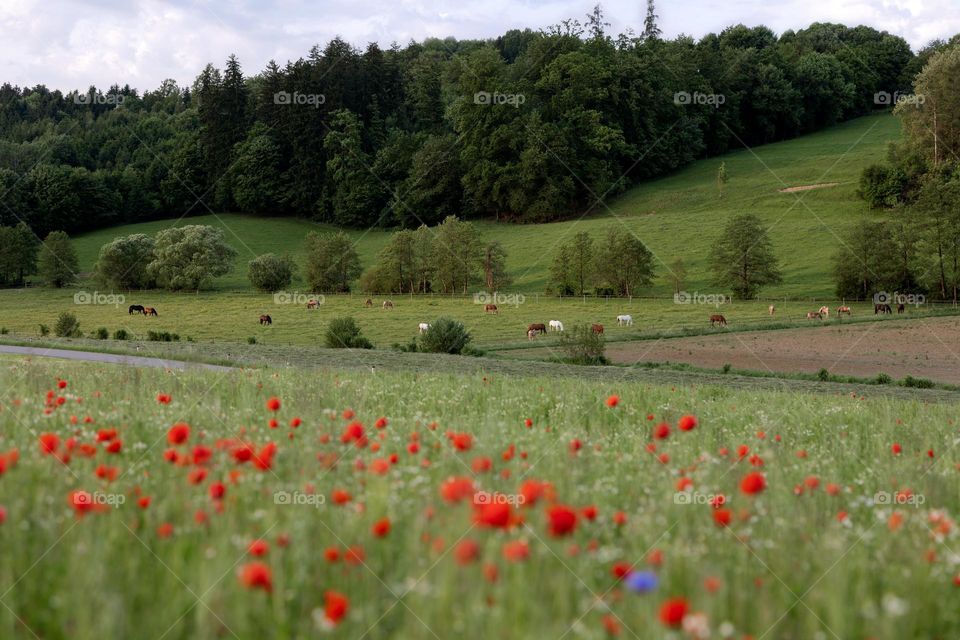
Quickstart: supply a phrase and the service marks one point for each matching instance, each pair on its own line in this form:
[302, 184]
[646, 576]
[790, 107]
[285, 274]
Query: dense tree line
[529, 126]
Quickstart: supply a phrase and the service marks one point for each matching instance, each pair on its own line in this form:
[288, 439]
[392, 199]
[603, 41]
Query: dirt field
[928, 348]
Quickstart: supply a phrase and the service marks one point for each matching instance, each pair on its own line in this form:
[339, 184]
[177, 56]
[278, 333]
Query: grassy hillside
[679, 215]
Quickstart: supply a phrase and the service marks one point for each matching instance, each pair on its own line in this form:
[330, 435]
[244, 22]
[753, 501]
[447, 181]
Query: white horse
[824, 311]
[556, 325]
[624, 321]
[423, 327]
[772, 309]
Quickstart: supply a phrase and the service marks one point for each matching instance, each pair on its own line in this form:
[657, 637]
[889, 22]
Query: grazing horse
[824, 311]
[843, 310]
[624, 321]
[135, 308]
[717, 319]
[771, 309]
[313, 304]
[900, 308]
[881, 308]
[555, 325]
[423, 327]
[149, 311]
[369, 302]
[597, 329]
[531, 334]
[265, 319]
[539, 327]
[387, 304]
[491, 308]
[814, 314]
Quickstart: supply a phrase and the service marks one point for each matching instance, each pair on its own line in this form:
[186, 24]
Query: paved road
[109, 358]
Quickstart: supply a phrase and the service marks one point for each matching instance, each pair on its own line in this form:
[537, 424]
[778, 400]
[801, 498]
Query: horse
[149, 311]
[423, 327]
[597, 329]
[265, 319]
[901, 308]
[387, 304]
[824, 311]
[369, 302]
[624, 321]
[814, 314]
[771, 309]
[881, 308]
[135, 308]
[717, 319]
[531, 334]
[555, 325]
[490, 308]
[539, 327]
[313, 304]
[843, 310]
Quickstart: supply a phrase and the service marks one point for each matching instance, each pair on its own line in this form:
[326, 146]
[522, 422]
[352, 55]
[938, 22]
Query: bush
[727, 367]
[344, 333]
[252, 340]
[4, 331]
[823, 375]
[162, 336]
[582, 345]
[121, 334]
[67, 326]
[44, 330]
[101, 333]
[270, 273]
[445, 336]
[917, 383]
[883, 378]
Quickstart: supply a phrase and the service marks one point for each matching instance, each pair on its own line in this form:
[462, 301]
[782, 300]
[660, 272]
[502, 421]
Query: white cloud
[71, 44]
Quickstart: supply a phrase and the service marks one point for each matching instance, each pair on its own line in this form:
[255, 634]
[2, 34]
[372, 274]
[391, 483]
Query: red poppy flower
[620, 518]
[165, 530]
[380, 423]
[178, 433]
[456, 489]
[462, 441]
[295, 422]
[589, 512]
[258, 548]
[354, 555]
[335, 608]
[61, 384]
[144, 502]
[563, 520]
[381, 527]
[661, 431]
[481, 464]
[673, 611]
[256, 575]
[273, 404]
[753, 483]
[621, 569]
[115, 446]
[466, 551]
[494, 514]
[722, 517]
[340, 497]
[516, 551]
[106, 435]
[613, 401]
[896, 448]
[217, 490]
[163, 398]
[331, 554]
[610, 624]
[49, 443]
[687, 423]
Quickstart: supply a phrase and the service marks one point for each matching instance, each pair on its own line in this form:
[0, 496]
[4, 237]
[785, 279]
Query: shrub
[67, 326]
[121, 334]
[162, 336]
[270, 273]
[4, 331]
[44, 330]
[252, 340]
[823, 375]
[883, 378]
[101, 333]
[582, 345]
[344, 333]
[445, 335]
[917, 383]
[727, 367]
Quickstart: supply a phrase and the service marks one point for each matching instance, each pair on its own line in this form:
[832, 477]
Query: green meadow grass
[680, 215]
[786, 567]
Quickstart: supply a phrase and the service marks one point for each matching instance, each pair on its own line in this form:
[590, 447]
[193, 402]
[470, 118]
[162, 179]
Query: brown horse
[265, 319]
[843, 310]
[597, 329]
[717, 319]
[881, 308]
[387, 304]
[901, 308]
[313, 304]
[814, 314]
[149, 311]
[490, 308]
[538, 327]
[369, 302]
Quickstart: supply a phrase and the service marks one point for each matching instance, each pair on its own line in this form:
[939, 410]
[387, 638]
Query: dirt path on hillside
[109, 358]
[926, 348]
[808, 187]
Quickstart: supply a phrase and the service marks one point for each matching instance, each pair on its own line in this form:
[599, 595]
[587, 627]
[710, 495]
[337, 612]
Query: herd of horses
[138, 308]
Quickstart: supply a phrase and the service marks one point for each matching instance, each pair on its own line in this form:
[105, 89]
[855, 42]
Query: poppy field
[289, 504]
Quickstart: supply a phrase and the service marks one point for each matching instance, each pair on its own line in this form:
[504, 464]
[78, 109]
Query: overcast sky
[71, 44]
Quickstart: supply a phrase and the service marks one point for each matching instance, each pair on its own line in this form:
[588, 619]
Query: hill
[678, 215]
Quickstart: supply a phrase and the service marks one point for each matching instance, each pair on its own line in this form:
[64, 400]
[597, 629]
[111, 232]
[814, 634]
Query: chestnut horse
[490, 308]
[597, 329]
[538, 327]
[149, 311]
[717, 319]
[265, 319]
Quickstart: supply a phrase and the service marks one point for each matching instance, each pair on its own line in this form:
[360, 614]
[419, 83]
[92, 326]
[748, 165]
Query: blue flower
[642, 581]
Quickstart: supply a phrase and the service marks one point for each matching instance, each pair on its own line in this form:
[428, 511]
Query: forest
[530, 126]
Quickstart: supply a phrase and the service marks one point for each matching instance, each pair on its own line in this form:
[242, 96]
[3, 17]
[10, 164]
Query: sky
[72, 44]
